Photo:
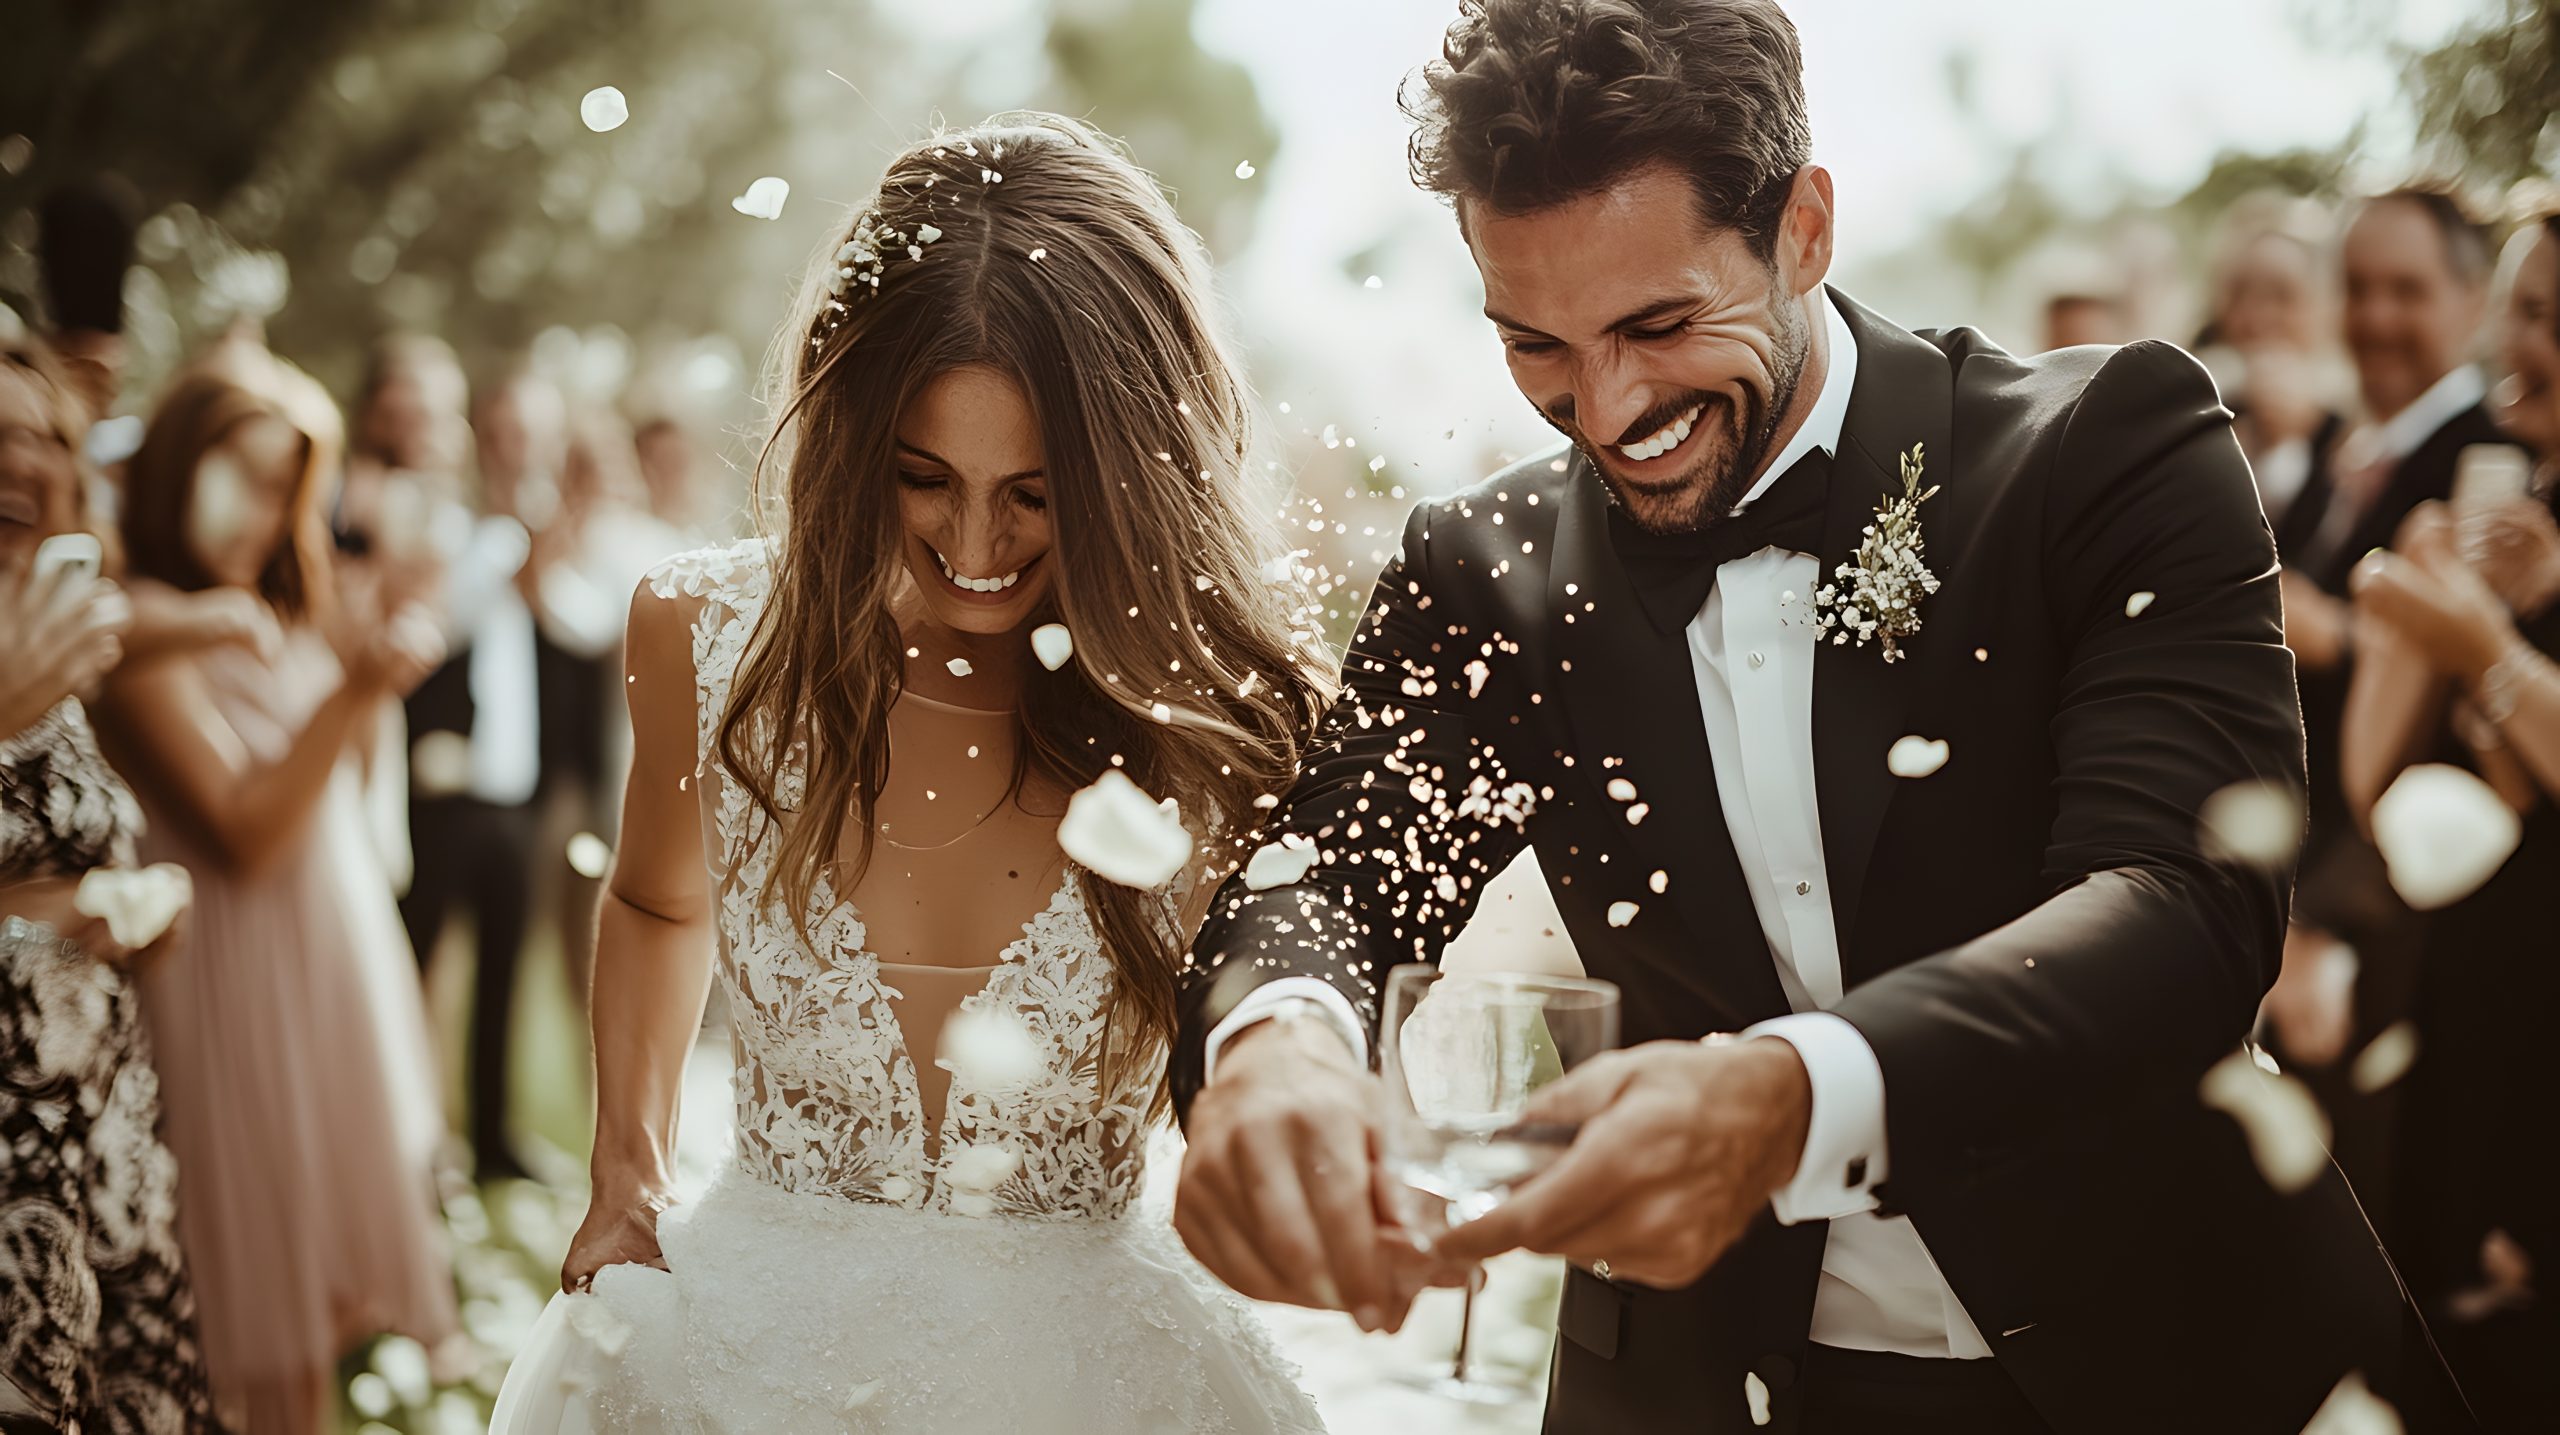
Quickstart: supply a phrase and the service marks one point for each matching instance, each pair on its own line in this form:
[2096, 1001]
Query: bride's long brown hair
[1034, 247]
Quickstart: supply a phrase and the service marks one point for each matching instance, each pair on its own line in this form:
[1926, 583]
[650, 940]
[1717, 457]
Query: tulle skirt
[794, 1314]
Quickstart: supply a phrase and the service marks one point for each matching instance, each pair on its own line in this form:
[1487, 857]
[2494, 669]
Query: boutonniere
[1877, 594]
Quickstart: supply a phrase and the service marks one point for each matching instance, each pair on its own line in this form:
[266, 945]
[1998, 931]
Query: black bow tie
[1674, 572]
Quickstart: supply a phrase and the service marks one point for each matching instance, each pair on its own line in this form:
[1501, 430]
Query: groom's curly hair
[1535, 102]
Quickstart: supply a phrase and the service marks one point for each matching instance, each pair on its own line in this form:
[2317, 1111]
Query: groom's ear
[1805, 232]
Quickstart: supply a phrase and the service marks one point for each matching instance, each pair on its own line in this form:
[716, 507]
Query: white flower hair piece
[860, 262]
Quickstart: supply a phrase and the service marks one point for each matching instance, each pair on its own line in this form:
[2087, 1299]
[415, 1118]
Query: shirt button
[1757, 660]
[1803, 888]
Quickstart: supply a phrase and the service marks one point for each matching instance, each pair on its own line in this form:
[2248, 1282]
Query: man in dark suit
[1954, 1174]
[2415, 269]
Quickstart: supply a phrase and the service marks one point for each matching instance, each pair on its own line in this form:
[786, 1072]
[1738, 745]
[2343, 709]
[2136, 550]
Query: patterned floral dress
[97, 1321]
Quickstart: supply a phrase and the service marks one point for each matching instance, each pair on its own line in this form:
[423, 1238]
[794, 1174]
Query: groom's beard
[1735, 443]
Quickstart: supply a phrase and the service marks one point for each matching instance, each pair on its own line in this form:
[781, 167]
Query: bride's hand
[618, 1231]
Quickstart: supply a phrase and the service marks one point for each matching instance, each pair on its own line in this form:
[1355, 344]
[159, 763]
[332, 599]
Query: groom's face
[1659, 344]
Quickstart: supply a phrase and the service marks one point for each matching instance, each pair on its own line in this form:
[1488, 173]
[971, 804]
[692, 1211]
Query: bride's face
[1663, 347]
[974, 502]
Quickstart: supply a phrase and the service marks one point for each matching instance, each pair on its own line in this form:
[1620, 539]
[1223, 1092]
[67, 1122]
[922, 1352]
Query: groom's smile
[1665, 348]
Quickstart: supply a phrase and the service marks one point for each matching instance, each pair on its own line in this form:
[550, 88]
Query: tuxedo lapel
[1905, 395]
[1631, 694]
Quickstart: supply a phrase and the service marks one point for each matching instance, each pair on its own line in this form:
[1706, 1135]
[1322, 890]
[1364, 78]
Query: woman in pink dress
[298, 1085]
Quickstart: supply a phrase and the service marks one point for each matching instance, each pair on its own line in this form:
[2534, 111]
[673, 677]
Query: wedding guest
[2456, 664]
[300, 1094]
[475, 733]
[681, 491]
[97, 1325]
[2267, 339]
[2414, 267]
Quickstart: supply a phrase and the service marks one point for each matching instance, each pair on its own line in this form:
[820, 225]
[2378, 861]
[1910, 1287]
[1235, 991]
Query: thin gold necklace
[883, 830]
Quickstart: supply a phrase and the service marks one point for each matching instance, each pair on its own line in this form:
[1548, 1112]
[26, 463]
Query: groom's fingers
[1213, 1221]
[1281, 1226]
[1334, 1165]
[1582, 1189]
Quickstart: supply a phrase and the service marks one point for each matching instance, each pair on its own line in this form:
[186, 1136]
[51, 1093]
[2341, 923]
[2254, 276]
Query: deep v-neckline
[848, 939]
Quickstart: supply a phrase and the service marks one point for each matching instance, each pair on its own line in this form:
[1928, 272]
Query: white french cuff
[1334, 1009]
[1844, 1145]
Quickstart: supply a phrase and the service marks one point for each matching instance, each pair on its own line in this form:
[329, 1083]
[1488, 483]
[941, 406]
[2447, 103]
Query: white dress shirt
[1752, 647]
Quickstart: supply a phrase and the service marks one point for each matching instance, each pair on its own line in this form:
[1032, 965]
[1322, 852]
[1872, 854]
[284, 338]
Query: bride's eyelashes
[926, 482]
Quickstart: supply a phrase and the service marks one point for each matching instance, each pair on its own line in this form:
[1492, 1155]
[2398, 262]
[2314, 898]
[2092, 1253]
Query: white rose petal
[1161, 713]
[136, 904]
[1660, 882]
[1621, 913]
[2351, 1409]
[2442, 832]
[1244, 169]
[960, 667]
[2288, 1134]
[440, 763]
[763, 199]
[1756, 1394]
[1052, 645]
[2134, 605]
[603, 109]
[1116, 832]
[588, 855]
[1915, 756]
[1277, 864]
[982, 1167]
[2257, 823]
[1637, 813]
[2386, 1058]
[990, 1051]
[1202, 583]
[1622, 790]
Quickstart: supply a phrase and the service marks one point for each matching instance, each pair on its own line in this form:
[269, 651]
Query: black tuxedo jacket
[2041, 954]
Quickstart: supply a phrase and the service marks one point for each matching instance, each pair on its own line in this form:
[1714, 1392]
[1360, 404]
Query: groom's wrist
[1787, 1107]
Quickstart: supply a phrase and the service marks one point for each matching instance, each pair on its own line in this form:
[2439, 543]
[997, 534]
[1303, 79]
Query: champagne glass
[1462, 1053]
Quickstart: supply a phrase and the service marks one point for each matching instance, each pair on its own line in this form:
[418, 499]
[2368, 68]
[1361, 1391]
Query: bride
[853, 745]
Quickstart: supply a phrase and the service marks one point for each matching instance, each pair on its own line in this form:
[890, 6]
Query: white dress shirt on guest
[1752, 647]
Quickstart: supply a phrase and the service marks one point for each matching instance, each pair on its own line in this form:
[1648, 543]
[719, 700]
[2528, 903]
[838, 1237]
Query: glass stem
[1467, 1324]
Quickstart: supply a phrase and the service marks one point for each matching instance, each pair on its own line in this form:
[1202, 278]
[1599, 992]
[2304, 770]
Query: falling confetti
[2386, 1058]
[990, 1050]
[588, 855]
[1373, 282]
[2351, 1409]
[2442, 832]
[1621, 913]
[1622, 790]
[1118, 833]
[1202, 583]
[1278, 864]
[2288, 1135]
[1161, 712]
[1755, 1393]
[1051, 643]
[1916, 756]
[982, 1167]
[604, 109]
[1660, 882]
[960, 667]
[440, 763]
[2134, 605]
[1244, 169]
[1039, 254]
[763, 199]
[137, 904]
[2256, 823]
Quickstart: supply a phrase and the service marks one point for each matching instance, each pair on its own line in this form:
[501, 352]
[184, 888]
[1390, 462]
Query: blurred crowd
[292, 685]
[287, 690]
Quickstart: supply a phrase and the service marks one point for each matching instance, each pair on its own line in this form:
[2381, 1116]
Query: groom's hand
[1283, 1196]
[1681, 1145]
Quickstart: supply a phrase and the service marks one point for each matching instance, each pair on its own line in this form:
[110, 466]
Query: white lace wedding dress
[834, 1278]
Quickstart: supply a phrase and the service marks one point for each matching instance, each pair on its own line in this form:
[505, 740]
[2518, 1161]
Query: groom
[1939, 1161]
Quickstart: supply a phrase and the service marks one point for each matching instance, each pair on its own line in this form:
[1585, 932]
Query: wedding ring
[1600, 1269]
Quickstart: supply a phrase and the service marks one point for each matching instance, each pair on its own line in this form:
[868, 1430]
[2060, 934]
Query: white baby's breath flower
[1878, 596]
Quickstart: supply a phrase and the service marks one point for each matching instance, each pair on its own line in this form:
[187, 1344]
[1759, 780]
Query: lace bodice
[827, 1092]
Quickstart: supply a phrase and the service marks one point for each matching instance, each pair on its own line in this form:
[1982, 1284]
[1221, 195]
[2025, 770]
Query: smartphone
[74, 554]
[2486, 475]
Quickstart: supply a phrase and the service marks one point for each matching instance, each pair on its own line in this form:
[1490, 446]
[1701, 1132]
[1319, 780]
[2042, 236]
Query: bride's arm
[653, 953]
